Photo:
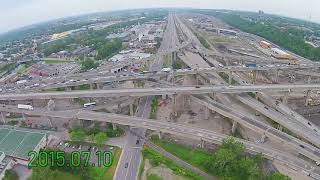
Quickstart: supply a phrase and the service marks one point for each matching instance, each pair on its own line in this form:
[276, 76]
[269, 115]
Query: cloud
[17, 13]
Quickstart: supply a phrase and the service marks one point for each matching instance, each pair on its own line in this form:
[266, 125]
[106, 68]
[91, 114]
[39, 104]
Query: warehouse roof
[18, 143]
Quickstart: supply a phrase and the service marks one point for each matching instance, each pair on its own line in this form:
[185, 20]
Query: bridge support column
[186, 102]
[202, 143]
[206, 113]
[309, 79]
[254, 78]
[98, 85]
[160, 135]
[263, 138]
[257, 113]
[23, 117]
[164, 96]
[3, 118]
[307, 98]
[51, 105]
[230, 77]
[234, 127]
[174, 105]
[114, 126]
[68, 88]
[285, 98]
[91, 86]
[276, 76]
[197, 79]
[50, 121]
[131, 109]
[119, 108]
[280, 128]
[81, 123]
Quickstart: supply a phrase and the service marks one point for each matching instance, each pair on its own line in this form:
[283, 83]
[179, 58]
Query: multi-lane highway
[173, 128]
[162, 91]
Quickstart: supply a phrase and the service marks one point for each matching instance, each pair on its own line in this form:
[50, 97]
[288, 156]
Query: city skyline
[19, 14]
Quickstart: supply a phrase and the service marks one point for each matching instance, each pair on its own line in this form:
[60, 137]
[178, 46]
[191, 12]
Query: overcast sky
[17, 13]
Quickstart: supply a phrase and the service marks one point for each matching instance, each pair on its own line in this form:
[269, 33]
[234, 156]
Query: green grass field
[55, 61]
[156, 159]
[195, 157]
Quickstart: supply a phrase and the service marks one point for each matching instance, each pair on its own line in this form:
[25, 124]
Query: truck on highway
[252, 65]
[26, 107]
[89, 105]
[166, 70]
[21, 81]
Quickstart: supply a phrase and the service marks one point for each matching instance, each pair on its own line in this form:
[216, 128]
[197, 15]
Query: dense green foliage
[202, 40]
[154, 108]
[153, 177]
[10, 175]
[107, 49]
[95, 134]
[177, 64]
[289, 38]
[229, 162]
[8, 67]
[100, 138]
[78, 135]
[156, 159]
[88, 64]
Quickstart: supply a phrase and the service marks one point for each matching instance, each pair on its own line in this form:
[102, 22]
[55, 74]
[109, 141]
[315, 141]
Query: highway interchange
[177, 37]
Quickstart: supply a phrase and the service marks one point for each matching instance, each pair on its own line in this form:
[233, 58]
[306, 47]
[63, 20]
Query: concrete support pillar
[230, 77]
[134, 84]
[307, 98]
[276, 76]
[263, 138]
[114, 126]
[280, 128]
[98, 86]
[131, 109]
[206, 113]
[3, 118]
[234, 127]
[174, 105]
[309, 79]
[197, 79]
[202, 143]
[68, 88]
[159, 134]
[257, 98]
[285, 98]
[164, 96]
[186, 103]
[24, 117]
[119, 108]
[254, 78]
[81, 122]
[50, 121]
[51, 105]
[91, 86]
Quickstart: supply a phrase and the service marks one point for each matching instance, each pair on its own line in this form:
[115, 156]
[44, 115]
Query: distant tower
[261, 12]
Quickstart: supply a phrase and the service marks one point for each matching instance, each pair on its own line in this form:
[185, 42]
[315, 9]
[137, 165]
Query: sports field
[18, 143]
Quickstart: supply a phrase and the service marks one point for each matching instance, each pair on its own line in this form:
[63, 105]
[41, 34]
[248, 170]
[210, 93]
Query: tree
[100, 138]
[88, 64]
[11, 175]
[91, 137]
[77, 135]
[278, 176]
[43, 173]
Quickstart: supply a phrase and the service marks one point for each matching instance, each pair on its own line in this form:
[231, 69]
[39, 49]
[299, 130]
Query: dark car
[126, 165]
[137, 142]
